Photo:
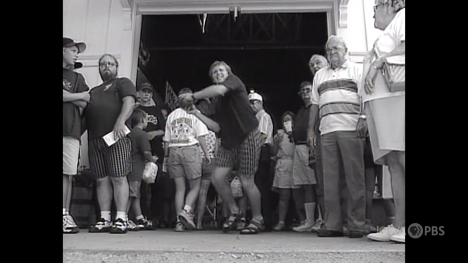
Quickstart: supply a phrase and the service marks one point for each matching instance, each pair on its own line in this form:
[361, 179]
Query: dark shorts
[114, 161]
[134, 189]
[245, 156]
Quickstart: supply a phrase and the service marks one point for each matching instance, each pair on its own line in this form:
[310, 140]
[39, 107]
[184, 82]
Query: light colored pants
[344, 147]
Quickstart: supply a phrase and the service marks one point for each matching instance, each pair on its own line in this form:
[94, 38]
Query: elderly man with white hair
[336, 101]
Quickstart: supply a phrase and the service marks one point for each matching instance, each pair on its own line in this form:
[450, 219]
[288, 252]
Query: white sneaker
[69, 225]
[318, 225]
[400, 237]
[385, 234]
[306, 227]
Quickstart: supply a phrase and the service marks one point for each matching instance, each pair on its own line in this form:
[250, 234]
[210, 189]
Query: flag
[171, 97]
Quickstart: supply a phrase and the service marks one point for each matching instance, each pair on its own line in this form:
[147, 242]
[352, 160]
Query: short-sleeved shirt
[156, 121]
[234, 114]
[105, 106]
[335, 92]
[74, 83]
[265, 125]
[301, 124]
[140, 144]
[183, 128]
[392, 36]
[210, 144]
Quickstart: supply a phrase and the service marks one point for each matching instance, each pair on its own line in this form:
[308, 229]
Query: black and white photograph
[235, 131]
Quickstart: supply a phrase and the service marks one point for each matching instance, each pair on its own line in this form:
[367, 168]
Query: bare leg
[67, 185]
[243, 205]
[223, 189]
[205, 185]
[396, 165]
[179, 194]
[285, 195]
[104, 193]
[298, 196]
[193, 192]
[248, 184]
[121, 192]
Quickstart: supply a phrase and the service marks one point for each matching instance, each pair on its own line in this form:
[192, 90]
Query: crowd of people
[327, 156]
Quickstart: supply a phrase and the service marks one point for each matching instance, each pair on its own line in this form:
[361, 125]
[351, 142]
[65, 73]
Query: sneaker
[119, 227]
[144, 224]
[241, 224]
[187, 219]
[385, 234]
[279, 227]
[101, 226]
[306, 227]
[179, 227]
[318, 225]
[400, 237]
[132, 226]
[69, 225]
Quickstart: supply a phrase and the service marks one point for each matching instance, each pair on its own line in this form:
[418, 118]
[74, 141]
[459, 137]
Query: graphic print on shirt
[67, 85]
[152, 119]
[181, 129]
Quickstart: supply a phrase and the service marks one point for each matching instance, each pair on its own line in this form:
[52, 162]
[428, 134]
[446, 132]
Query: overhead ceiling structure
[268, 51]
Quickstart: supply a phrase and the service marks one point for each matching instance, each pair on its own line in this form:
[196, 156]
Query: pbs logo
[415, 230]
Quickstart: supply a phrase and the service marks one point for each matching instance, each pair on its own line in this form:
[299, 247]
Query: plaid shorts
[245, 156]
[115, 160]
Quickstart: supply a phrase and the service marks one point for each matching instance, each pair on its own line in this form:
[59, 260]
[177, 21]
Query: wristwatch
[362, 117]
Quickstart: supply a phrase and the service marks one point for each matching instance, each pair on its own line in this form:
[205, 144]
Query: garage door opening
[269, 52]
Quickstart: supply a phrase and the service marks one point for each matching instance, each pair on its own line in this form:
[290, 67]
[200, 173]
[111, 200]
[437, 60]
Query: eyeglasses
[330, 49]
[304, 91]
[377, 6]
[104, 64]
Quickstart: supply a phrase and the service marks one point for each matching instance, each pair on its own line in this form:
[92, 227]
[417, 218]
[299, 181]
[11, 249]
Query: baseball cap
[146, 86]
[68, 42]
[255, 96]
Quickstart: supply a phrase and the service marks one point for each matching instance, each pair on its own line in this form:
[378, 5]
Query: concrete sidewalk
[165, 245]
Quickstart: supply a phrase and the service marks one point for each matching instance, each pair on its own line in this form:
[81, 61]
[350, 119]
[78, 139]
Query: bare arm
[125, 113]
[149, 157]
[202, 141]
[399, 50]
[211, 124]
[313, 117]
[79, 99]
[166, 149]
[211, 91]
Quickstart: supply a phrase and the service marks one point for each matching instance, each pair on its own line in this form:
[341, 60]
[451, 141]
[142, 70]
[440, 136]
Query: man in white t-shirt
[184, 133]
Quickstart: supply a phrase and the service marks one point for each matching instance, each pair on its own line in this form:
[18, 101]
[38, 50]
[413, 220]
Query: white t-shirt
[183, 128]
[391, 37]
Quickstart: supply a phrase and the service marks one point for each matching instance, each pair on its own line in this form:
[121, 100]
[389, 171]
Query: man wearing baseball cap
[263, 180]
[75, 99]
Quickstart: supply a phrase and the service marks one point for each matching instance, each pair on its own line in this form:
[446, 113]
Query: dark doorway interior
[269, 52]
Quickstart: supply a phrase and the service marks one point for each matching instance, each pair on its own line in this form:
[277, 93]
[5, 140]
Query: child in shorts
[141, 152]
[184, 134]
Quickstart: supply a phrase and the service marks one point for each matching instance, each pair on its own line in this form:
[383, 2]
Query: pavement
[165, 245]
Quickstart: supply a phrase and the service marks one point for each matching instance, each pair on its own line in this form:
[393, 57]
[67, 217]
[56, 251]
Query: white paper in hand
[110, 137]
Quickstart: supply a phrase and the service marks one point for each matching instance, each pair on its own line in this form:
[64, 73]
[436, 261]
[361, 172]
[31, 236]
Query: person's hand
[312, 141]
[207, 159]
[361, 128]
[372, 74]
[85, 96]
[153, 134]
[186, 98]
[119, 130]
[194, 110]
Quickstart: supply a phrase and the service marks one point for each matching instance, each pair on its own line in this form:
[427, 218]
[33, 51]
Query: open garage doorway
[269, 52]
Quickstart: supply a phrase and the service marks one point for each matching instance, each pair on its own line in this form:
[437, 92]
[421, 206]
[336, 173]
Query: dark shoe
[119, 227]
[355, 234]
[254, 227]
[231, 222]
[329, 233]
[101, 226]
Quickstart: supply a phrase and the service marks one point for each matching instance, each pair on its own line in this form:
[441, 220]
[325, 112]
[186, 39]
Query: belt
[301, 143]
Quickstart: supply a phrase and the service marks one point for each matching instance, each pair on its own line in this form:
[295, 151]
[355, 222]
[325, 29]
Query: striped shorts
[244, 156]
[114, 161]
